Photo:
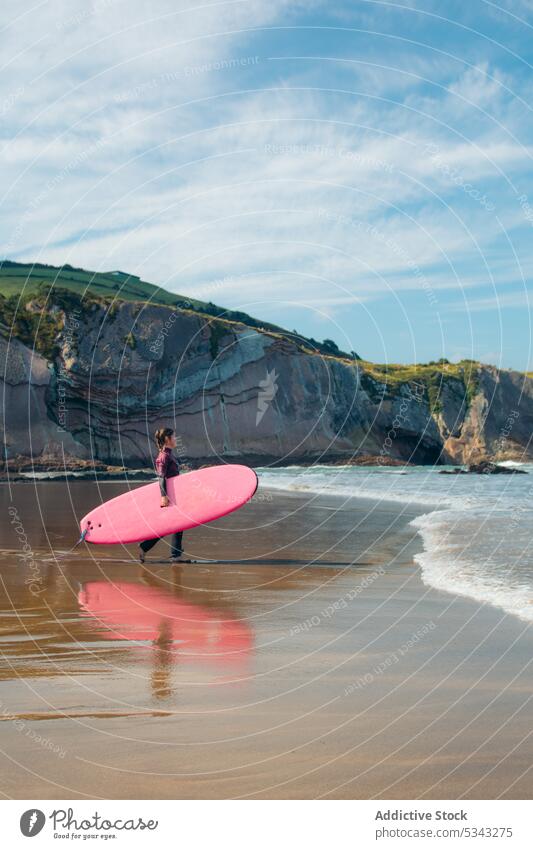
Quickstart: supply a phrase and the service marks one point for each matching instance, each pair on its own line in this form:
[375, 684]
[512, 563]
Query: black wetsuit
[166, 467]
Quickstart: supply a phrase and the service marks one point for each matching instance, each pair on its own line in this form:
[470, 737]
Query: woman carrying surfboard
[141, 515]
[167, 467]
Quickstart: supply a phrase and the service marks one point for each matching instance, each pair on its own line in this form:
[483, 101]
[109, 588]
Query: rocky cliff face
[240, 394]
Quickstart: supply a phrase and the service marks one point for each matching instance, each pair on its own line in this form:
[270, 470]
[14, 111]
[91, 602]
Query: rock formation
[109, 375]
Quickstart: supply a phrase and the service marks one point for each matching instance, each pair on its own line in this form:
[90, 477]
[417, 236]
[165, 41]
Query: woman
[166, 467]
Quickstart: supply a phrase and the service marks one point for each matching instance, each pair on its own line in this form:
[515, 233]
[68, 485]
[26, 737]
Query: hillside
[94, 372]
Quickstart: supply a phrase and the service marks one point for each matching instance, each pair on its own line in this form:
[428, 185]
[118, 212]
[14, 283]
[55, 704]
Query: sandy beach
[322, 667]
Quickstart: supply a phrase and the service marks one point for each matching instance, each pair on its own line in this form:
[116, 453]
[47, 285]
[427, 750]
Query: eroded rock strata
[238, 393]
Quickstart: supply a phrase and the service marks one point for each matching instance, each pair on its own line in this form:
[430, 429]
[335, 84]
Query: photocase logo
[267, 392]
[32, 822]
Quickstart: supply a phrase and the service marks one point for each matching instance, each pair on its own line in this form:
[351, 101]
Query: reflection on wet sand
[72, 628]
[134, 683]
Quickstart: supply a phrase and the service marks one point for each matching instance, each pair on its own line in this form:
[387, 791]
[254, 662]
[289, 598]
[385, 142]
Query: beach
[315, 663]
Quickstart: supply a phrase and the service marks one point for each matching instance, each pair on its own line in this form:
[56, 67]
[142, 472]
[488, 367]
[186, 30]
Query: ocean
[477, 541]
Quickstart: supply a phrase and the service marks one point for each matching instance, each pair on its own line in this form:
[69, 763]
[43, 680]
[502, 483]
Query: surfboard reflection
[175, 629]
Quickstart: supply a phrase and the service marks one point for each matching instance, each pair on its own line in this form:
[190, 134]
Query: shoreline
[59, 473]
[144, 474]
[344, 679]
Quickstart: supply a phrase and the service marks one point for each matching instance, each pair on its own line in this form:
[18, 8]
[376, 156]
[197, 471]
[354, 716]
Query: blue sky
[359, 171]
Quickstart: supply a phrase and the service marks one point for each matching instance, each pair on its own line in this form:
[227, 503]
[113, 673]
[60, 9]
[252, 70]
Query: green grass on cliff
[432, 376]
[26, 277]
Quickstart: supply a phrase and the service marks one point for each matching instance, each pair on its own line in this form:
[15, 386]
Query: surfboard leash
[83, 535]
[66, 553]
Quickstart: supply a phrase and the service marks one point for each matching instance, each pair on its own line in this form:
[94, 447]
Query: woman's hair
[161, 436]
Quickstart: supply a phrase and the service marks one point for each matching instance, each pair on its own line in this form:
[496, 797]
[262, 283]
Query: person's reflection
[163, 642]
[161, 679]
[175, 628]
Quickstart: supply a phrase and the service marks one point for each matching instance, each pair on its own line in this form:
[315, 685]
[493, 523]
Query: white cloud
[126, 160]
[495, 302]
[479, 86]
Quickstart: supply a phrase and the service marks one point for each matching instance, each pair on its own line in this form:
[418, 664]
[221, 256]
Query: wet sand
[320, 668]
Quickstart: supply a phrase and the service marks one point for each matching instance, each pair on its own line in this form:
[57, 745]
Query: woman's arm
[161, 465]
[163, 487]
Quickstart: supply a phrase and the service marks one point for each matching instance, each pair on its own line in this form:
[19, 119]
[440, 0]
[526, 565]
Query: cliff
[87, 379]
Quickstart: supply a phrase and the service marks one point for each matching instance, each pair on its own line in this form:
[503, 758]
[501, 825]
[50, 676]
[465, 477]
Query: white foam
[463, 557]
[477, 544]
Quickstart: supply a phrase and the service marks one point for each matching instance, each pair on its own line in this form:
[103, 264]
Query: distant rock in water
[485, 467]
[488, 468]
[369, 460]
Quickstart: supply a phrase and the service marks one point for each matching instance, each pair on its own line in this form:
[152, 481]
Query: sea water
[477, 541]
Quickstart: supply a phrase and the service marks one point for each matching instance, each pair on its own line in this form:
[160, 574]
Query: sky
[357, 171]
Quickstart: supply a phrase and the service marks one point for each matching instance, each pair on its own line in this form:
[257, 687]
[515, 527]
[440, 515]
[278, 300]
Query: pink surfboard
[195, 498]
